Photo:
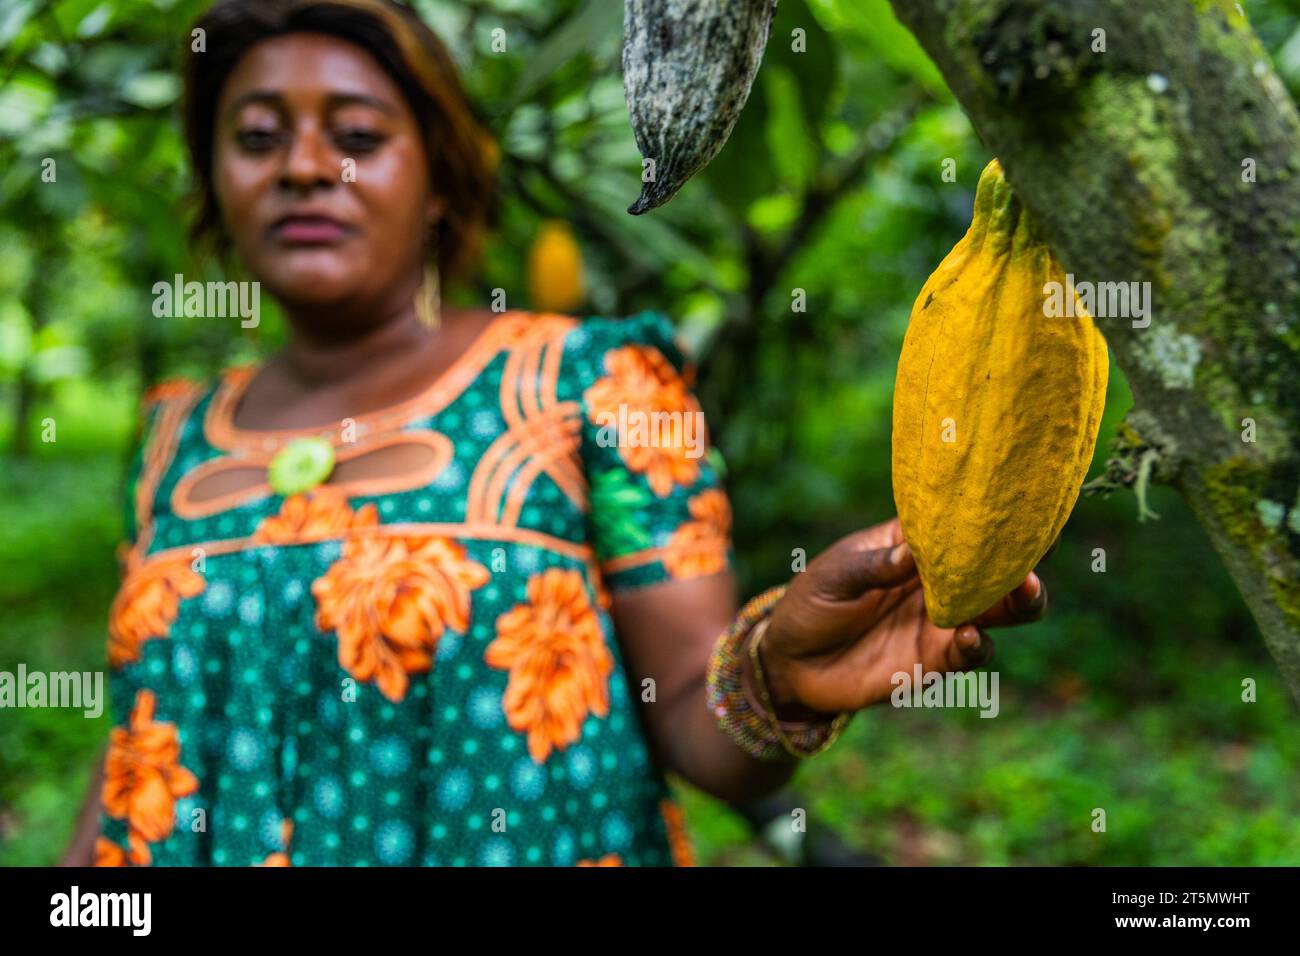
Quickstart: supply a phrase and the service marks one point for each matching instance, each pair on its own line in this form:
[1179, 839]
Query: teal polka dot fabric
[418, 670]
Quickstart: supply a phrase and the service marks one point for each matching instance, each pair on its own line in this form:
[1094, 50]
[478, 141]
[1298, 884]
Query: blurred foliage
[791, 264]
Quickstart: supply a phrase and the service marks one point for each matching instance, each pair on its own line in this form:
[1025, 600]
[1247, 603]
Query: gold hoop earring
[427, 305]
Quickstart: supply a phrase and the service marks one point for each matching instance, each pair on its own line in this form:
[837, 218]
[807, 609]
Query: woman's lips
[309, 230]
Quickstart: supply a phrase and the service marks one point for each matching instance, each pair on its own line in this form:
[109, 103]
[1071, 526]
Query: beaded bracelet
[751, 725]
[804, 739]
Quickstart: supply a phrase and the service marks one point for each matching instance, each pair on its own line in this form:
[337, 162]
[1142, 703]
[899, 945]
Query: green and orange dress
[419, 669]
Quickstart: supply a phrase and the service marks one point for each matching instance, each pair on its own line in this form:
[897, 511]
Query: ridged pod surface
[687, 69]
[996, 411]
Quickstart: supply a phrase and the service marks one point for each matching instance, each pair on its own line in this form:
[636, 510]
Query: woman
[412, 591]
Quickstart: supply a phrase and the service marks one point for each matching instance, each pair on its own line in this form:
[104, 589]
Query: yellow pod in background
[555, 281]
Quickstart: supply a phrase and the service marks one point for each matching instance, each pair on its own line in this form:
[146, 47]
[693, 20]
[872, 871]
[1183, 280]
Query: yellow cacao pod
[555, 269]
[996, 410]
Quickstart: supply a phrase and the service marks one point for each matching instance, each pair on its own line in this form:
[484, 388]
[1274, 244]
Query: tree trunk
[1165, 150]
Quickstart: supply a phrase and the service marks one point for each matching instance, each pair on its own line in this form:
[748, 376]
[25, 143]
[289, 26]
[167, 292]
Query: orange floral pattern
[679, 843]
[400, 566]
[143, 778]
[147, 605]
[644, 381]
[108, 853]
[323, 514]
[558, 662]
[390, 600]
[699, 547]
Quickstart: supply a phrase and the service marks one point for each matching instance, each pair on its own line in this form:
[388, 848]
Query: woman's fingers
[972, 647]
[853, 567]
[883, 535]
[1026, 603]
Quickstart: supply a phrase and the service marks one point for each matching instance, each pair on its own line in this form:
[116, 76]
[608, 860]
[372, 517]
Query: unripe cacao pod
[687, 70]
[555, 269]
[996, 410]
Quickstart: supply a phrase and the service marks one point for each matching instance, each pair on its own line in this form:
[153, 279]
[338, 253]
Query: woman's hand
[856, 617]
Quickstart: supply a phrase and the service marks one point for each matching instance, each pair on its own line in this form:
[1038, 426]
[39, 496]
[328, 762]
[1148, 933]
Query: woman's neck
[313, 360]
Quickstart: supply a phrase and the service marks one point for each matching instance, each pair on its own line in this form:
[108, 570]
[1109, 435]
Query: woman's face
[322, 179]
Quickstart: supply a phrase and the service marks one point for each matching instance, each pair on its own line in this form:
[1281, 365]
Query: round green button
[300, 466]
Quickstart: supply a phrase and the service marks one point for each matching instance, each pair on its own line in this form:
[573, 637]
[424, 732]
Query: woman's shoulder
[182, 389]
[171, 389]
[593, 338]
[166, 405]
[172, 395]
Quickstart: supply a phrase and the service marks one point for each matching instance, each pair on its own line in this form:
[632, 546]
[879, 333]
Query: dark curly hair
[461, 153]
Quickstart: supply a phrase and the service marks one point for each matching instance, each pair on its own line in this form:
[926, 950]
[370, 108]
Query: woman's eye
[257, 140]
[358, 140]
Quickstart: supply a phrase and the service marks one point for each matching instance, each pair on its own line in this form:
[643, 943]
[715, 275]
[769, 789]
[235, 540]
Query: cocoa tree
[1156, 144]
[1161, 153]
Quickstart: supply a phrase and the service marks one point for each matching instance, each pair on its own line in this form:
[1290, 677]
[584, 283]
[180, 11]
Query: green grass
[938, 788]
[1126, 698]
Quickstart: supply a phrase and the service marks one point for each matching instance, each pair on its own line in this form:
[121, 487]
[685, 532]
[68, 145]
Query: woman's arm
[840, 632]
[667, 632]
[81, 850]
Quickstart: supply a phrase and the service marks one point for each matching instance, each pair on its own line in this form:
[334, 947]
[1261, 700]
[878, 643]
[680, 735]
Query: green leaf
[615, 487]
[808, 64]
[24, 102]
[59, 363]
[623, 535]
[790, 142]
[584, 32]
[743, 171]
[646, 237]
[16, 182]
[800, 44]
[615, 502]
[871, 23]
[718, 463]
[13, 17]
[66, 196]
[152, 90]
[15, 336]
[94, 22]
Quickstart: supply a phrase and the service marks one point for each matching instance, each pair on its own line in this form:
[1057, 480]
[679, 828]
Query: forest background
[790, 266]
